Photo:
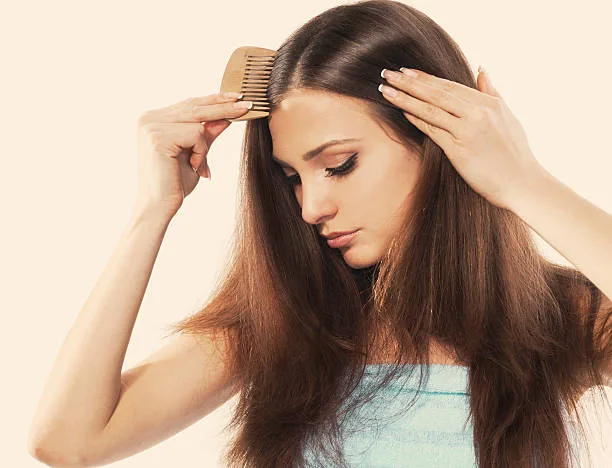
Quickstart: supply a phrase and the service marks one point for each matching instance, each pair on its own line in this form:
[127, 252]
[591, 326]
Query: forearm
[84, 385]
[576, 228]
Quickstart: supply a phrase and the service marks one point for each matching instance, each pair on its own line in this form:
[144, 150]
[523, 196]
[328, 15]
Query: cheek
[388, 197]
[378, 182]
[297, 191]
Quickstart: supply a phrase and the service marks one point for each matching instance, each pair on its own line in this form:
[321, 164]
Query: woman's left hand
[474, 127]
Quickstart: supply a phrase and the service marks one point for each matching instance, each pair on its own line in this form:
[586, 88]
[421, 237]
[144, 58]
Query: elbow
[51, 456]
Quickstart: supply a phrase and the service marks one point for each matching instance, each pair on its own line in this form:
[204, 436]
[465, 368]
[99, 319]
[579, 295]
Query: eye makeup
[338, 171]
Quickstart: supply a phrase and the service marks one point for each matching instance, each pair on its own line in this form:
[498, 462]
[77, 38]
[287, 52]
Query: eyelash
[338, 171]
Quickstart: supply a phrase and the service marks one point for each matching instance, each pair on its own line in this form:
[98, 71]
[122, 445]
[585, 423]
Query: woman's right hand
[173, 144]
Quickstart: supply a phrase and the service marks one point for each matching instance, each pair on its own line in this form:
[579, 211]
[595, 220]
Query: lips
[342, 240]
[333, 235]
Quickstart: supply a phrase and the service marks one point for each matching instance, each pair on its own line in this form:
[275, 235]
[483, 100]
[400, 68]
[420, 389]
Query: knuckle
[148, 128]
[144, 128]
[429, 109]
[153, 134]
[144, 119]
[401, 79]
[193, 109]
[457, 142]
[444, 97]
[201, 131]
[438, 94]
[478, 114]
[447, 87]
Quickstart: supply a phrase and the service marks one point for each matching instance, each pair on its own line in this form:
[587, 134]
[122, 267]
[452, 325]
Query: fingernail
[387, 90]
[243, 104]
[408, 71]
[232, 94]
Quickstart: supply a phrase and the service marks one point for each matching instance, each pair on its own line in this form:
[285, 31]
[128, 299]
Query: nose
[316, 205]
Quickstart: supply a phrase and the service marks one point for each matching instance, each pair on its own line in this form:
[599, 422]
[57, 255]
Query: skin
[373, 197]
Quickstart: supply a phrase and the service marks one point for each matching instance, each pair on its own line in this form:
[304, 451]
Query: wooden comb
[248, 72]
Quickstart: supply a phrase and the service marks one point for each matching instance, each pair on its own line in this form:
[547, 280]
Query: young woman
[438, 188]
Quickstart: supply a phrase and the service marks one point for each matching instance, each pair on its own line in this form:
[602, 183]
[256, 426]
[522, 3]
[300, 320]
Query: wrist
[152, 214]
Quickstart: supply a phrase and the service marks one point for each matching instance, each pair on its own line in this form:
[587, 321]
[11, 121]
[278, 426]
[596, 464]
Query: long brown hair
[298, 322]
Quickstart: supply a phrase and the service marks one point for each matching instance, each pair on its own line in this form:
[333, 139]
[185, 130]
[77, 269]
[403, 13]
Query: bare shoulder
[177, 385]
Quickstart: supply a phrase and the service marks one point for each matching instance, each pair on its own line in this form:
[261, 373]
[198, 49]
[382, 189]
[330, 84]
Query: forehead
[307, 118]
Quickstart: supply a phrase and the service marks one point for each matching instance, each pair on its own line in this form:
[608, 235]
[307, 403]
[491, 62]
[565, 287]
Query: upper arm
[170, 390]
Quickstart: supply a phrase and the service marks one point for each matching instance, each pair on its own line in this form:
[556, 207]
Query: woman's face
[373, 195]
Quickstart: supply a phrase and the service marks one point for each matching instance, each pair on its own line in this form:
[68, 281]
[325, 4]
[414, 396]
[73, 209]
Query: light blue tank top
[435, 432]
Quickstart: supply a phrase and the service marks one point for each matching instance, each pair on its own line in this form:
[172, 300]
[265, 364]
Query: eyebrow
[318, 150]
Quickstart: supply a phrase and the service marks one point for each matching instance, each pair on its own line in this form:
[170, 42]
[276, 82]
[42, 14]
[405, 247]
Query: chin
[356, 260]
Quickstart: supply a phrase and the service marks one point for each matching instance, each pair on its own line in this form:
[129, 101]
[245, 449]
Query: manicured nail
[232, 94]
[408, 72]
[243, 104]
[387, 90]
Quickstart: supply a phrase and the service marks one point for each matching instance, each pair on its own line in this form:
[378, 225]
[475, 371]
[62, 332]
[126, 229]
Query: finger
[202, 170]
[208, 112]
[209, 99]
[214, 128]
[425, 111]
[441, 137]
[195, 138]
[199, 150]
[177, 111]
[484, 82]
[443, 96]
[446, 94]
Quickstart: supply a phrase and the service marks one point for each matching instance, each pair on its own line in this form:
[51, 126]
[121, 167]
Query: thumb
[214, 128]
[484, 82]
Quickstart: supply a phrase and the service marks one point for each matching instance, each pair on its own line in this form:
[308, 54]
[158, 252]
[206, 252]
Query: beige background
[77, 75]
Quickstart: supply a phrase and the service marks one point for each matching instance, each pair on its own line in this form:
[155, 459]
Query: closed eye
[338, 171]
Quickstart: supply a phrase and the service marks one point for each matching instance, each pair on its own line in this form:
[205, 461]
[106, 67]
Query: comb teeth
[248, 72]
[255, 80]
